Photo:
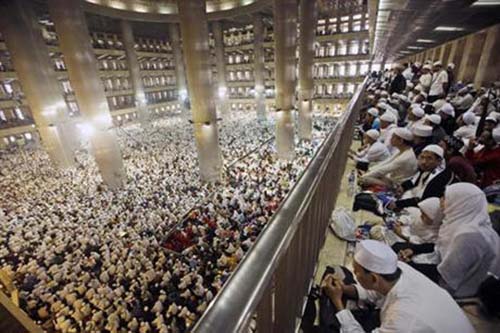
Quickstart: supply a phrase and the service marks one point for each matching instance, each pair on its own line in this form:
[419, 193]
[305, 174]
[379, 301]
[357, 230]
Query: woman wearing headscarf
[418, 248]
[467, 245]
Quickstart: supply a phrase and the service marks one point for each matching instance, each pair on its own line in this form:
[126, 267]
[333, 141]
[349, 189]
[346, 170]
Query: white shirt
[425, 81]
[414, 304]
[385, 138]
[375, 153]
[398, 167]
[437, 83]
[465, 132]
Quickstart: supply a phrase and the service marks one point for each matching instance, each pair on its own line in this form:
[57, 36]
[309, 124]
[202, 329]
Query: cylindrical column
[197, 52]
[489, 62]
[285, 43]
[259, 66]
[74, 43]
[306, 61]
[36, 73]
[135, 73]
[180, 73]
[221, 67]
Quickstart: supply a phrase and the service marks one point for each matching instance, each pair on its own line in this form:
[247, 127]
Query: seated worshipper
[486, 161]
[490, 123]
[387, 126]
[399, 167]
[429, 181]
[462, 101]
[372, 151]
[422, 233]
[456, 162]
[371, 120]
[408, 301]
[415, 117]
[466, 126]
[438, 133]
[467, 245]
[448, 122]
[422, 137]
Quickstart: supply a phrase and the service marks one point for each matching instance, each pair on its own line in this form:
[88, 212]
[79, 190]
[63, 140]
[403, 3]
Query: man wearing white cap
[399, 167]
[374, 151]
[387, 126]
[463, 100]
[425, 80]
[438, 133]
[467, 126]
[371, 120]
[451, 76]
[415, 116]
[447, 113]
[439, 84]
[430, 180]
[422, 136]
[408, 300]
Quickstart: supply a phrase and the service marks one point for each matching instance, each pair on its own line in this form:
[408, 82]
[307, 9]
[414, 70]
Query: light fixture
[486, 3]
[415, 48]
[425, 41]
[448, 28]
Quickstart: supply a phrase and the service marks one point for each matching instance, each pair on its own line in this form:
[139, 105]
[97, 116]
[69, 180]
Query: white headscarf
[431, 207]
[466, 210]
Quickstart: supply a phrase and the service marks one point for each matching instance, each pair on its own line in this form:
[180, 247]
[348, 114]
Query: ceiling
[402, 23]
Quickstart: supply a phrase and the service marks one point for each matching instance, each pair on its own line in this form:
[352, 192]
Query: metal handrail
[238, 299]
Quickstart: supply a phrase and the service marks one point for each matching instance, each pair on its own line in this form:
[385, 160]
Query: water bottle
[352, 183]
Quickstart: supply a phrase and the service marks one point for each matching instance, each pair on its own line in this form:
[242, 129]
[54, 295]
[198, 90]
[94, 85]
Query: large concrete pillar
[180, 73]
[259, 66]
[306, 62]
[488, 68]
[35, 71]
[470, 56]
[74, 43]
[221, 68]
[135, 73]
[199, 74]
[285, 44]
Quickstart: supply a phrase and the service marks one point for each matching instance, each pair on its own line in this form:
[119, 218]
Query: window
[350, 88]
[341, 48]
[344, 27]
[8, 88]
[356, 26]
[352, 69]
[342, 70]
[353, 47]
[340, 88]
[364, 68]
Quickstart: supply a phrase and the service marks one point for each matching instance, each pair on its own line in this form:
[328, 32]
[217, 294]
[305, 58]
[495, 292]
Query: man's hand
[472, 143]
[333, 288]
[405, 255]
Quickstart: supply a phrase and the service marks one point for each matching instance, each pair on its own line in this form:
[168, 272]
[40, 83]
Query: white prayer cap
[493, 119]
[463, 90]
[382, 105]
[422, 131]
[403, 133]
[435, 149]
[388, 117]
[496, 134]
[451, 65]
[438, 104]
[377, 257]
[469, 118]
[395, 95]
[495, 115]
[384, 93]
[373, 112]
[437, 63]
[404, 98]
[417, 111]
[448, 109]
[434, 118]
[373, 133]
[427, 66]
[410, 85]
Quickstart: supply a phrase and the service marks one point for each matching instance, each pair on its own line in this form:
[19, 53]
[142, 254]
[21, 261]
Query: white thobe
[397, 168]
[414, 304]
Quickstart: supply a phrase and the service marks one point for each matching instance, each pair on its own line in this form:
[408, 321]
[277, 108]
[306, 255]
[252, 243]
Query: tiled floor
[335, 252]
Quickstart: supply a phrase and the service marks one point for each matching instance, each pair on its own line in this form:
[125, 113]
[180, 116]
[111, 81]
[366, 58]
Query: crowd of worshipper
[430, 155]
[152, 255]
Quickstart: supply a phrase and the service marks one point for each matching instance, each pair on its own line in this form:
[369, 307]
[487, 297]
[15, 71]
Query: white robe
[414, 304]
